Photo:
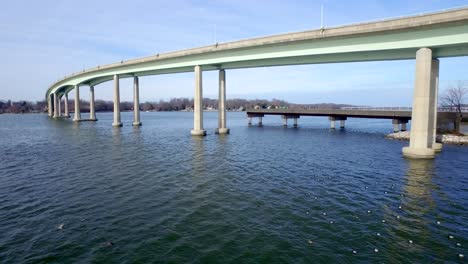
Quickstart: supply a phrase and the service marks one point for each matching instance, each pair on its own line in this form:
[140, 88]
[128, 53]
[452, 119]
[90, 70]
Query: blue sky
[42, 41]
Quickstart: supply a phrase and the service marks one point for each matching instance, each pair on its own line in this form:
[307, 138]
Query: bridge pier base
[260, 121]
[285, 121]
[295, 122]
[222, 104]
[116, 122]
[342, 123]
[249, 121]
[198, 104]
[136, 102]
[77, 116]
[422, 135]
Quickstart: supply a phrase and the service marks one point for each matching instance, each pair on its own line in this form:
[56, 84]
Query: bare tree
[453, 99]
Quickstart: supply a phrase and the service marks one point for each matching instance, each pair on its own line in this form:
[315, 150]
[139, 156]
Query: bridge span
[399, 117]
[425, 38]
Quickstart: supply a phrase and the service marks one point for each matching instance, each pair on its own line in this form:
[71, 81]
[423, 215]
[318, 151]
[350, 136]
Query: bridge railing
[397, 108]
[400, 108]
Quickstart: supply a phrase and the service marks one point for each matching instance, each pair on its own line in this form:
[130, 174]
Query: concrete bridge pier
[59, 106]
[222, 104]
[285, 121]
[403, 125]
[260, 121]
[250, 121]
[136, 102]
[342, 123]
[396, 125]
[295, 121]
[198, 104]
[116, 122]
[49, 106]
[92, 110]
[332, 122]
[437, 147]
[422, 117]
[77, 117]
[56, 113]
[65, 105]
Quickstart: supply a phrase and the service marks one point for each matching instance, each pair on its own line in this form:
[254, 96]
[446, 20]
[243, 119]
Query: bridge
[425, 38]
[399, 115]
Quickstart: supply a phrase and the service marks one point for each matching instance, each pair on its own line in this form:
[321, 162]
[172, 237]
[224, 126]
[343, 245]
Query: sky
[42, 41]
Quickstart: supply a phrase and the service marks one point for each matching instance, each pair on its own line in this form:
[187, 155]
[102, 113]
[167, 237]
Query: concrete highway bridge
[425, 38]
[399, 116]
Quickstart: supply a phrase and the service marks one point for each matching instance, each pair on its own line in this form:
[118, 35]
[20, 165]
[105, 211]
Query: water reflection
[198, 156]
[411, 228]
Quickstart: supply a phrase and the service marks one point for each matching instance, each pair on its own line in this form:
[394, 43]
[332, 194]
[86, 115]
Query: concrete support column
[435, 83]
[295, 122]
[49, 106]
[422, 117]
[250, 120]
[116, 122]
[92, 109]
[342, 123]
[197, 105]
[56, 113]
[260, 121]
[332, 122]
[136, 102]
[60, 106]
[77, 104]
[222, 104]
[396, 125]
[67, 114]
[285, 121]
[403, 126]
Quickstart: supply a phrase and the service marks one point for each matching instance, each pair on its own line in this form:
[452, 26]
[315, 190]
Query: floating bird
[461, 255]
[369, 211]
[399, 207]
[324, 213]
[376, 250]
[383, 221]
[458, 245]
[398, 217]
[438, 222]
[307, 212]
[60, 227]
[354, 251]
[450, 237]
[331, 222]
[410, 241]
[310, 241]
[109, 244]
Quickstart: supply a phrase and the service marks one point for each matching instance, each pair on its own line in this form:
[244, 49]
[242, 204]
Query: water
[259, 195]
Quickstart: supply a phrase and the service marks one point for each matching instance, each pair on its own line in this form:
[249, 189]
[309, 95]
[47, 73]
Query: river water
[88, 192]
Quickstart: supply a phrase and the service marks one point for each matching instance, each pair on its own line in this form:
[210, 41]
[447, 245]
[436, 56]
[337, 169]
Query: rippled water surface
[261, 194]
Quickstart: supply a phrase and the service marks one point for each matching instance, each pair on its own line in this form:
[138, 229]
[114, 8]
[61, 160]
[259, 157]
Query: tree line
[174, 104]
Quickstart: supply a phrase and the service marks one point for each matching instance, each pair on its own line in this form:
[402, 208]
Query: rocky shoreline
[443, 138]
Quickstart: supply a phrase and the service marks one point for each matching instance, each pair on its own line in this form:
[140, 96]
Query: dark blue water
[259, 195]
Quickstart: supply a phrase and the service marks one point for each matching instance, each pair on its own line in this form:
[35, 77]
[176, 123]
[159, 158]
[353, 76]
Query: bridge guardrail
[399, 108]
